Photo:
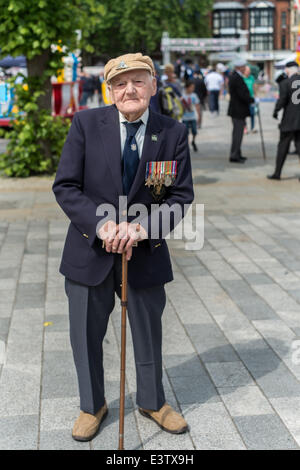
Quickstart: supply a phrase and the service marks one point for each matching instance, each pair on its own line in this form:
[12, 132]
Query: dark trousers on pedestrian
[213, 100]
[89, 311]
[84, 97]
[237, 137]
[283, 148]
[252, 115]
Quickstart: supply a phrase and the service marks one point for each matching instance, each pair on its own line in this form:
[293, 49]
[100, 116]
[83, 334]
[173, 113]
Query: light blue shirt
[139, 136]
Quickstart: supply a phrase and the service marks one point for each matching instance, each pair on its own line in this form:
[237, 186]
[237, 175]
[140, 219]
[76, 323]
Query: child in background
[191, 106]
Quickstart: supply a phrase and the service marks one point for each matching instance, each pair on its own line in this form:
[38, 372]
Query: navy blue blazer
[89, 174]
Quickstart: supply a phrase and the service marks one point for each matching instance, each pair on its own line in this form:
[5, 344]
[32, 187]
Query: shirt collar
[144, 117]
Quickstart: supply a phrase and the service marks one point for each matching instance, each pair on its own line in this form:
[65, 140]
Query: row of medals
[158, 180]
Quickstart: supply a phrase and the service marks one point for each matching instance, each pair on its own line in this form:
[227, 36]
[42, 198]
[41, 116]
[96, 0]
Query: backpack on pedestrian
[170, 104]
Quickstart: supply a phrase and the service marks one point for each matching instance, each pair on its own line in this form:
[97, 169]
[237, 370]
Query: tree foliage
[137, 25]
[35, 29]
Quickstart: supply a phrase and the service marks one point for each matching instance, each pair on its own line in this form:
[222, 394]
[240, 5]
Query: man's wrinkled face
[131, 92]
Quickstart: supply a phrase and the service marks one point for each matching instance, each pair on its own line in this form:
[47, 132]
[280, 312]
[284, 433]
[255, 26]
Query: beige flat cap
[128, 62]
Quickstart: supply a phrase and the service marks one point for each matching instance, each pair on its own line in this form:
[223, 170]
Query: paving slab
[265, 432]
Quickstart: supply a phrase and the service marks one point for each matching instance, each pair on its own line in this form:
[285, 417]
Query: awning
[10, 61]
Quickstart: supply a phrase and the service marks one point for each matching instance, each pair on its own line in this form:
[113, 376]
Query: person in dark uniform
[289, 101]
[238, 109]
[108, 154]
[201, 92]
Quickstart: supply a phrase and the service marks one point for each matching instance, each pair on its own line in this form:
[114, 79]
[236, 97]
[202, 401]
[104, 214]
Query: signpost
[200, 44]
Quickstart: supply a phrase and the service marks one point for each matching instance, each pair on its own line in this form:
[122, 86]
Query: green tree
[137, 25]
[34, 29]
[144, 21]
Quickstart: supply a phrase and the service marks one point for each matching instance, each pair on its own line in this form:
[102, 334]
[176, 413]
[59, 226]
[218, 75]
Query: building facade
[295, 22]
[267, 25]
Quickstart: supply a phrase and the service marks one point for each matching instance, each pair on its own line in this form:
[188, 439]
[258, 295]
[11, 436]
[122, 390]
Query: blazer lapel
[110, 136]
[151, 146]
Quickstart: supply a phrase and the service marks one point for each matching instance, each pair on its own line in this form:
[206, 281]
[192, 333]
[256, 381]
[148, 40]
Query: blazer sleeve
[283, 99]
[68, 184]
[179, 197]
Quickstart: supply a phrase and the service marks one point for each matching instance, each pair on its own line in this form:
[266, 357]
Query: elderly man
[289, 101]
[239, 109]
[109, 152]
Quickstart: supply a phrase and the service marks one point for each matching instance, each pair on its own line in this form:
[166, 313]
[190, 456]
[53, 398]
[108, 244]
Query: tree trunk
[36, 68]
[87, 58]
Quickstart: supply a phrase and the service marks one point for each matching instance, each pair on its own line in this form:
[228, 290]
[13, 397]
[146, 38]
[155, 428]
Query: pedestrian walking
[238, 109]
[201, 92]
[188, 69]
[170, 79]
[279, 79]
[169, 94]
[191, 105]
[214, 83]
[289, 102]
[250, 82]
[108, 153]
[98, 88]
[88, 88]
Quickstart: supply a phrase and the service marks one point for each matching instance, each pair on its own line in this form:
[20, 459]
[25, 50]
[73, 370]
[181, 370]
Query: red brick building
[266, 23]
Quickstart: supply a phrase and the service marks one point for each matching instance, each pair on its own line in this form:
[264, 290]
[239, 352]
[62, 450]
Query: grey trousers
[237, 137]
[283, 148]
[89, 311]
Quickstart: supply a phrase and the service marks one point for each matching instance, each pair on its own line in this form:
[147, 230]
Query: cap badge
[122, 65]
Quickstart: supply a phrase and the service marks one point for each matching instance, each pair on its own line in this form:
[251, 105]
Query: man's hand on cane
[121, 238]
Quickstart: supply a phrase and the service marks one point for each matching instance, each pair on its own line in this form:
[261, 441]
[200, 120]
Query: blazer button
[124, 212]
[85, 235]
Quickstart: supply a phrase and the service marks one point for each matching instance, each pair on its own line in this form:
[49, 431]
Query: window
[261, 17]
[283, 41]
[261, 29]
[225, 19]
[261, 42]
[283, 19]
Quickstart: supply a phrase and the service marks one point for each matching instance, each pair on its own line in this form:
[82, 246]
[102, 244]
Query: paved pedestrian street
[231, 345]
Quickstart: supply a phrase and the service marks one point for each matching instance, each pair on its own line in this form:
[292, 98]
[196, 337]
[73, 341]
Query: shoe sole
[86, 439]
[179, 431]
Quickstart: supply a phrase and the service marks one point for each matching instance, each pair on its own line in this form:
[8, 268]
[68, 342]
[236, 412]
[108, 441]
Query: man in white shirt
[214, 83]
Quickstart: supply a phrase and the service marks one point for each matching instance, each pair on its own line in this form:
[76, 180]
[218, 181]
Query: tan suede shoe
[167, 419]
[87, 425]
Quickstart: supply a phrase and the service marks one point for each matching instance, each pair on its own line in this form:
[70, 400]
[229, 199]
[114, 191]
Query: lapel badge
[154, 138]
[122, 65]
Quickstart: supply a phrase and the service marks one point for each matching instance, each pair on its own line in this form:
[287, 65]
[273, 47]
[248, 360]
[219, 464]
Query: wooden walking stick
[261, 133]
[123, 350]
[123, 345]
